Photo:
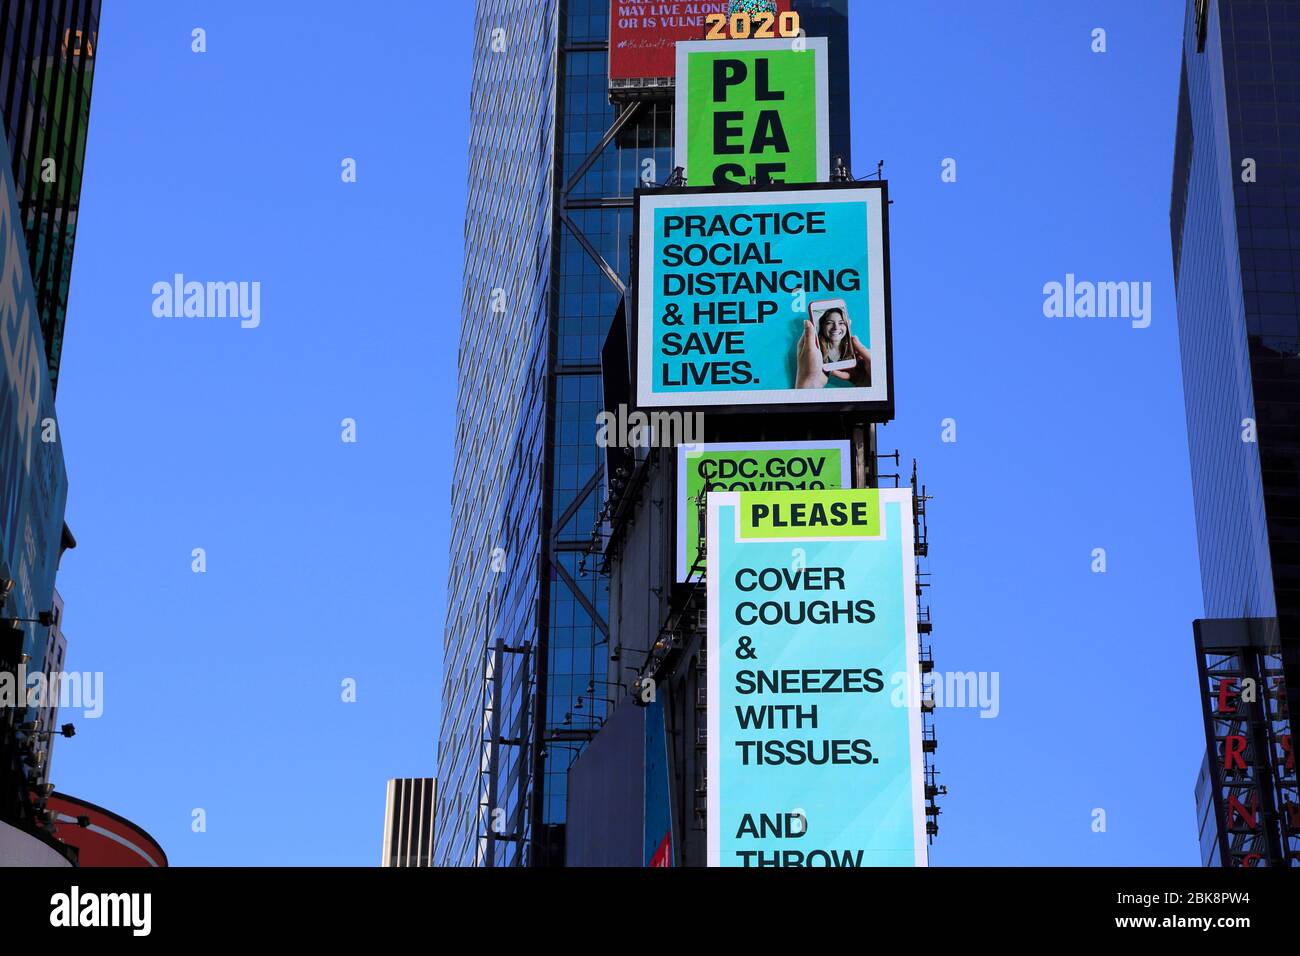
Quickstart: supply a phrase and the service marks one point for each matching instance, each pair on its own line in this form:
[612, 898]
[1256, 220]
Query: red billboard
[643, 36]
[101, 837]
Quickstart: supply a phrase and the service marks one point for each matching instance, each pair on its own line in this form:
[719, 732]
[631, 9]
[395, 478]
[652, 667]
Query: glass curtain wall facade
[595, 179]
[1207, 827]
[1235, 227]
[1236, 238]
[47, 69]
[494, 595]
[538, 483]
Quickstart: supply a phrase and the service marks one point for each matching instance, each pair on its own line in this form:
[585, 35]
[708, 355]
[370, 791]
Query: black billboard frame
[877, 413]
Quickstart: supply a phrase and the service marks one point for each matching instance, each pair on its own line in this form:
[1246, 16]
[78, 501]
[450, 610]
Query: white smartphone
[830, 319]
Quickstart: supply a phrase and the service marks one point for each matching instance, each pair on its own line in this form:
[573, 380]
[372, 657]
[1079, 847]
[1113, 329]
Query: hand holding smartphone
[830, 319]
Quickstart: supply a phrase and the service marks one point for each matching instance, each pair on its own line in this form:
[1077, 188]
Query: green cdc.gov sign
[752, 110]
[763, 298]
[813, 761]
[749, 466]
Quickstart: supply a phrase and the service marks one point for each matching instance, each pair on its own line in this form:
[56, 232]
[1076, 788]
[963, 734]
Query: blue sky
[328, 561]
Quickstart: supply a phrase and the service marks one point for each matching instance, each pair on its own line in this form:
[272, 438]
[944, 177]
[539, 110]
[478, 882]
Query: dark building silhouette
[1235, 227]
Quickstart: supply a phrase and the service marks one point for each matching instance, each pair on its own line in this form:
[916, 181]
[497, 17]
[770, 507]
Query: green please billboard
[752, 109]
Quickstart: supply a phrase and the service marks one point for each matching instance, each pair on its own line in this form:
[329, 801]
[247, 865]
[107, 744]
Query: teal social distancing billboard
[813, 759]
[748, 466]
[749, 299]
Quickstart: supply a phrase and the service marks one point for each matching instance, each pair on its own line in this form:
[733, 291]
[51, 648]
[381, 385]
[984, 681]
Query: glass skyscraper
[496, 594]
[1235, 226]
[47, 69]
[47, 52]
[553, 165]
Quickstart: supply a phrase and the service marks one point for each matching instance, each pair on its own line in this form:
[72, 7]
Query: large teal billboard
[752, 298]
[33, 483]
[812, 621]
